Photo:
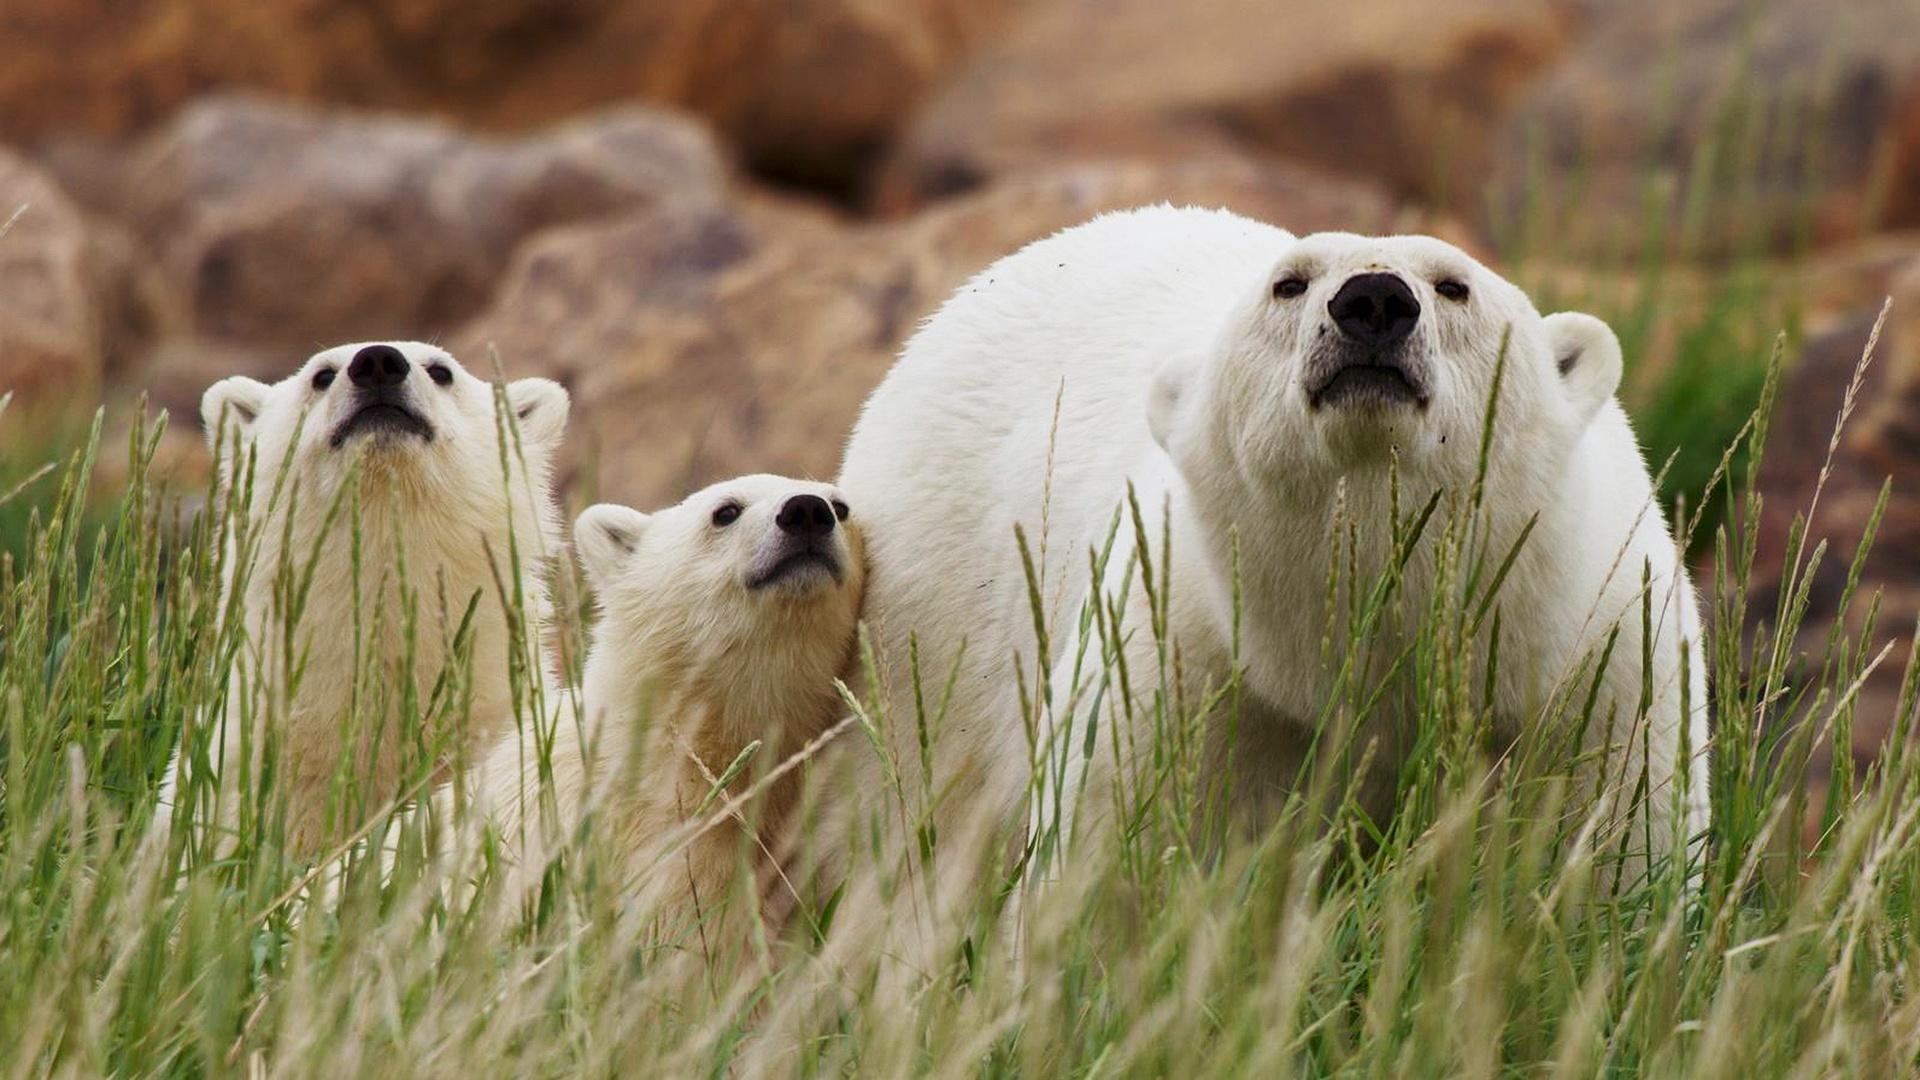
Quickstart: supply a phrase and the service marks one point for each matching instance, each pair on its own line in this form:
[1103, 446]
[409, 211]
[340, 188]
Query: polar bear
[724, 623]
[1268, 401]
[453, 504]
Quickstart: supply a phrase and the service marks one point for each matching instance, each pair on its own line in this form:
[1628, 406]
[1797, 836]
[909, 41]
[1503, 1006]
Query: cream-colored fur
[440, 526]
[690, 665]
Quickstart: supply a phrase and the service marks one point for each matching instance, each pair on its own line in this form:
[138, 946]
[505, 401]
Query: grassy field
[1481, 930]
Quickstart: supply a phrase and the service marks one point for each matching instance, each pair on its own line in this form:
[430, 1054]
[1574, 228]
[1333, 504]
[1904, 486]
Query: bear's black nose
[805, 515]
[1374, 309]
[376, 366]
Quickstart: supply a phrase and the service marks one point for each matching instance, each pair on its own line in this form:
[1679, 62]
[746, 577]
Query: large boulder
[744, 338]
[1879, 444]
[1404, 92]
[279, 227]
[803, 85]
[59, 282]
[1724, 123]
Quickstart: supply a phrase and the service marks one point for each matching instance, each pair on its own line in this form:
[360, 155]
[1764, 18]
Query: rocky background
[716, 220]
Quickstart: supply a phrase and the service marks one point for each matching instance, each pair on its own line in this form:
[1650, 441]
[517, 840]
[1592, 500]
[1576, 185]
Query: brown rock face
[56, 281]
[284, 228]
[803, 85]
[700, 344]
[1730, 116]
[1881, 442]
[1404, 93]
[1903, 158]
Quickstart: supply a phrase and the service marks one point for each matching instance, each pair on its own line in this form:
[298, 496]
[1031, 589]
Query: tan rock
[1888, 437]
[1842, 285]
[719, 341]
[802, 85]
[286, 228]
[54, 292]
[1719, 124]
[1404, 93]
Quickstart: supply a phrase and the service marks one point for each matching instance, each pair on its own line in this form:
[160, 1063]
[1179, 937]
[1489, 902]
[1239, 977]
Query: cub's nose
[1374, 309]
[805, 515]
[376, 366]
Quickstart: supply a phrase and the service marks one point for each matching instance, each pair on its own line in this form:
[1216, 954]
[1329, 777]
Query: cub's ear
[1164, 398]
[539, 411]
[604, 538]
[1587, 355]
[231, 403]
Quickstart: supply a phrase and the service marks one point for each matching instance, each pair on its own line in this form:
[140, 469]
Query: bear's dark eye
[441, 374]
[323, 378]
[726, 514]
[841, 510]
[1452, 290]
[1289, 287]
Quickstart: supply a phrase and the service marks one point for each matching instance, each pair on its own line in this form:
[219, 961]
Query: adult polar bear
[1246, 383]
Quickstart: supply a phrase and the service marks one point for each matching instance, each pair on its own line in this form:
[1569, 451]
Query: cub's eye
[441, 374]
[323, 378]
[1452, 290]
[1289, 287]
[841, 510]
[726, 514]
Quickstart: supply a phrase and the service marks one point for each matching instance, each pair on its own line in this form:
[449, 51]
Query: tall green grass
[1479, 929]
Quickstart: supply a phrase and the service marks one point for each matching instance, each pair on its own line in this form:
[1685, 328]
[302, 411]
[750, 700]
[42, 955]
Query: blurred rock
[1903, 156]
[57, 291]
[804, 86]
[1404, 93]
[285, 228]
[178, 370]
[1741, 120]
[744, 339]
[1880, 443]
[1848, 284]
[1888, 437]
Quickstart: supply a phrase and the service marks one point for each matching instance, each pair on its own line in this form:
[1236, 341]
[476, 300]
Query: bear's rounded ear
[1164, 397]
[604, 538]
[233, 402]
[1587, 355]
[539, 411]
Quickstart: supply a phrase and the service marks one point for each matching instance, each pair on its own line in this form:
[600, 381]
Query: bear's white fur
[443, 512]
[719, 627]
[1153, 350]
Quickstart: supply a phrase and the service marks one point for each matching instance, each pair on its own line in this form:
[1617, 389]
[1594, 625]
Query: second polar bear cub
[361, 603]
[724, 622]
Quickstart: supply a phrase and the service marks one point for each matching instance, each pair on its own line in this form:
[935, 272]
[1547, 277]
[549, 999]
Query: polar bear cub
[446, 517]
[724, 623]
[1269, 401]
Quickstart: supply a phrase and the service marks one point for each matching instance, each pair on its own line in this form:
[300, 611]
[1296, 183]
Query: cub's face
[1356, 349]
[404, 408]
[742, 558]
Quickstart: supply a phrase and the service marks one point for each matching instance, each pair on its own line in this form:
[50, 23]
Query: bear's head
[407, 410]
[1353, 351]
[760, 571]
